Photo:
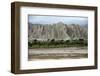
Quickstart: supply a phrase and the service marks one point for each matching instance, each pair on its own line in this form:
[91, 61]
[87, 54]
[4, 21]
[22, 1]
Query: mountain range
[57, 31]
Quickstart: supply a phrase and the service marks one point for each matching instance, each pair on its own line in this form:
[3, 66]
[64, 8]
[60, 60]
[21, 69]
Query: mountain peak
[60, 23]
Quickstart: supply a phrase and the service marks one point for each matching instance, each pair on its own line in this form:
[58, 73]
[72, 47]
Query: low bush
[57, 43]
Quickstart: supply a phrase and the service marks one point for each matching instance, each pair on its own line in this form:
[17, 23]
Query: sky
[55, 19]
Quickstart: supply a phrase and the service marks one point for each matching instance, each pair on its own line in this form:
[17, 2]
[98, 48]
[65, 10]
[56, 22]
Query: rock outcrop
[58, 31]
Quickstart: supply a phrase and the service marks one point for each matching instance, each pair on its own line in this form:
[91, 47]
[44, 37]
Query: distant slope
[56, 31]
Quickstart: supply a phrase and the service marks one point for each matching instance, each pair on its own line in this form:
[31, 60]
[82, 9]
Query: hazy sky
[55, 19]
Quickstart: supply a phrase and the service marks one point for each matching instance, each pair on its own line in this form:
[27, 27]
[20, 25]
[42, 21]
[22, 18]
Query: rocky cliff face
[56, 31]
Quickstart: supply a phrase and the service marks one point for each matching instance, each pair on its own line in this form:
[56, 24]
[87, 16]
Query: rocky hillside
[56, 31]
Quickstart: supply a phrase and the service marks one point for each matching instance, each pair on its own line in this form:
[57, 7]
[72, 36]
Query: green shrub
[56, 43]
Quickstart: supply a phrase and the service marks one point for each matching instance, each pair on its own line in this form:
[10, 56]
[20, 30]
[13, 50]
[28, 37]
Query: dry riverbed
[58, 53]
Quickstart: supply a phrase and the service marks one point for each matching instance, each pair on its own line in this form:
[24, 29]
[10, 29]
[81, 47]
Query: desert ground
[57, 53]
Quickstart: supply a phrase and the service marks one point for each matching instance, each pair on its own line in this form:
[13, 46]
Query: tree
[29, 44]
[81, 39]
[35, 40]
[53, 40]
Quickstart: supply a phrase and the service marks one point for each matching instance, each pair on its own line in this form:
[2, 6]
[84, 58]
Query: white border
[25, 64]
